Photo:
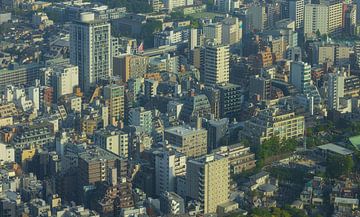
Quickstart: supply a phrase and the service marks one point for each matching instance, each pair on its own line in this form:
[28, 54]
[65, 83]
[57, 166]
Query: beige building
[8, 110]
[335, 17]
[273, 122]
[240, 157]
[213, 31]
[231, 31]
[216, 64]
[189, 141]
[130, 66]
[208, 181]
[114, 97]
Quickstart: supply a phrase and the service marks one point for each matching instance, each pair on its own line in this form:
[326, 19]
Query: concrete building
[231, 31]
[208, 181]
[300, 77]
[64, 79]
[296, 12]
[216, 64]
[335, 17]
[130, 66]
[115, 141]
[172, 204]
[316, 19]
[7, 153]
[256, 18]
[169, 165]
[142, 118]
[213, 31]
[172, 4]
[189, 141]
[260, 88]
[274, 122]
[230, 100]
[217, 133]
[240, 157]
[90, 50]
[335, 90]
[115, 100]
[97, 165]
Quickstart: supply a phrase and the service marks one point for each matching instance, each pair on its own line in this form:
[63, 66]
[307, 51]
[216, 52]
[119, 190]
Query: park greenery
[337, 166]
[274, 147]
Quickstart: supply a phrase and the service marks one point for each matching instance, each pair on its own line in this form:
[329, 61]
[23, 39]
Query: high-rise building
[335, 90]
[316, 19]
[208, 181]
[90, 50]
[216, 66]
[114, 97]
[256, 19]
[64, 79]
[169, 165]
[213, 31]
[300, 77]
[230, 100]
[189, 141]
[231, 30]
[335, 16]
[217, 133]
[296, 12]
[260, 88]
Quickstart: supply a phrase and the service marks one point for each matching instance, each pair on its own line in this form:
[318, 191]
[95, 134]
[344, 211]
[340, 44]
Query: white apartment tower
[169, 165]
[335, 90]
[296, 12]
[90, 49]
[216, 64]
[316, 19]
[64, 79]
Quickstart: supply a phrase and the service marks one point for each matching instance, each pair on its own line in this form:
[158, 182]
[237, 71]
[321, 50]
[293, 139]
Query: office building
[90, 50]
[169, 165]
[114, 97]
[216, 65]
[189, 141]
[230, 100]
[217, 133]
[208, 181]
[335, 18]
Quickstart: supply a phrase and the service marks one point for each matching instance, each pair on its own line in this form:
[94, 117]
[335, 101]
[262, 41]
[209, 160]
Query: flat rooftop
[336, 149]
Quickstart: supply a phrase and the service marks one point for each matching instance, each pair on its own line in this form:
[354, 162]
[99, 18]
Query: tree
[339, 165]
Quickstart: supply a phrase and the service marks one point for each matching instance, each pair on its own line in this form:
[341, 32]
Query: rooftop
[183, 131]
[336, 149]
